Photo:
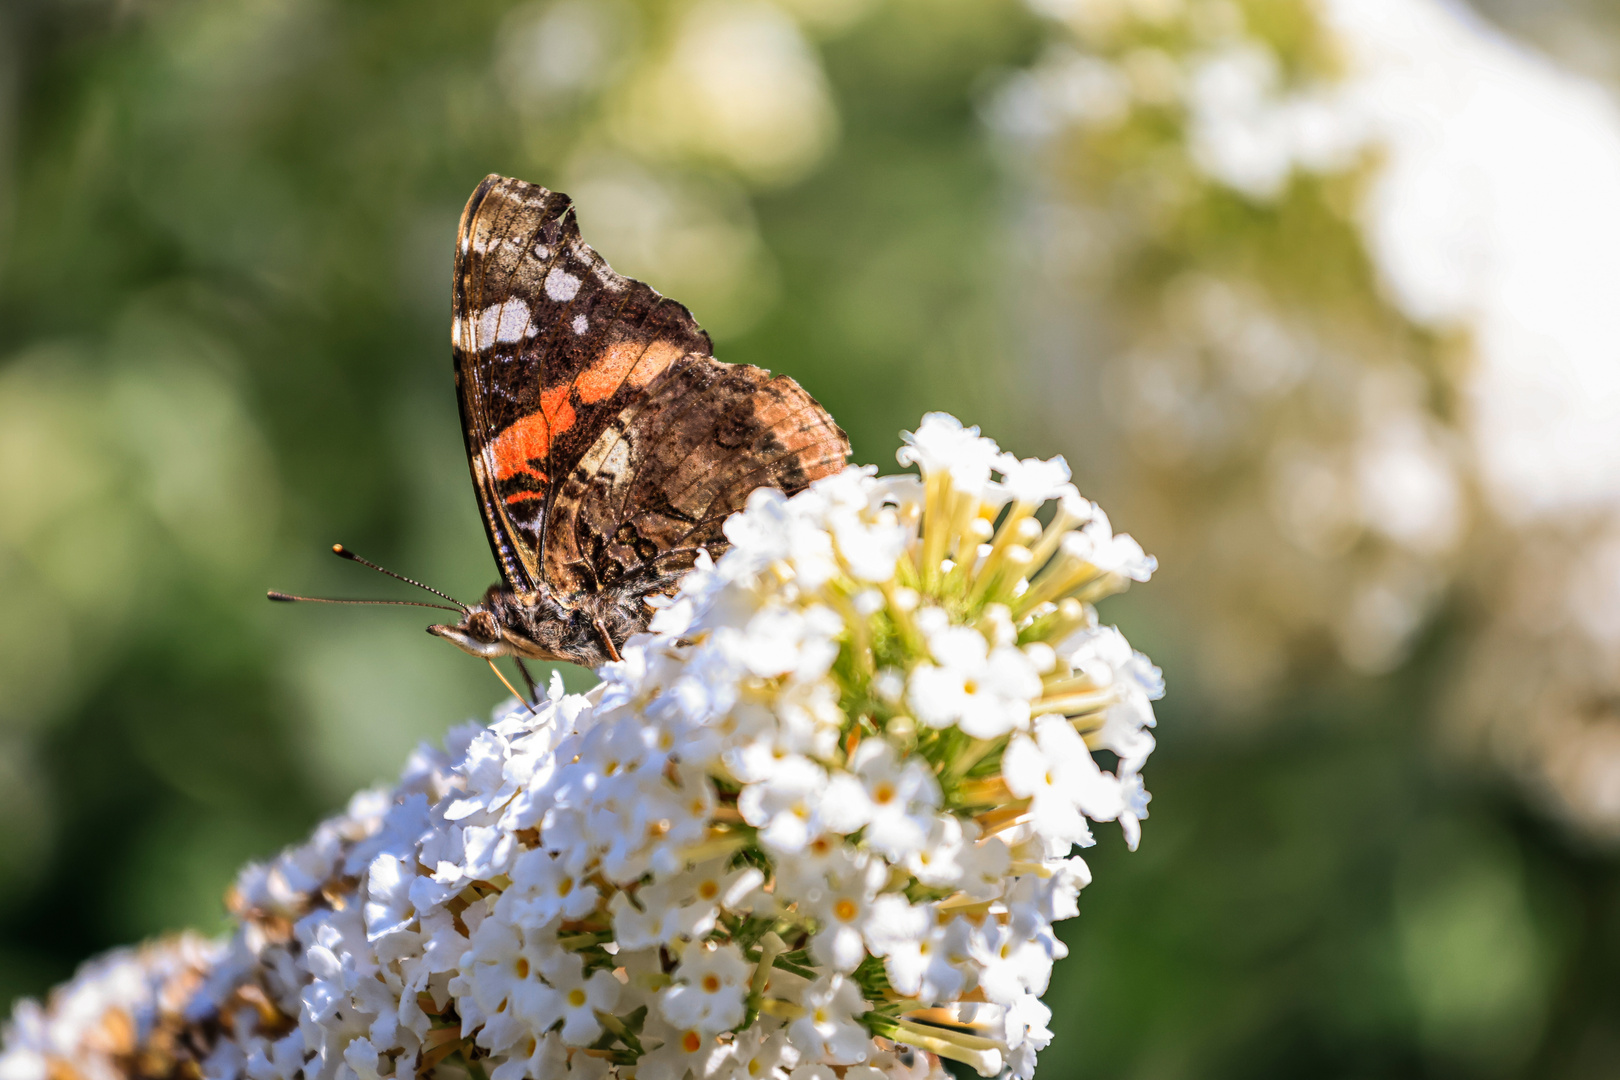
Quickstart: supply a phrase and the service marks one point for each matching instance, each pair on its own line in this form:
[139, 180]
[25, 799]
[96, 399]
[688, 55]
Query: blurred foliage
[224, 297]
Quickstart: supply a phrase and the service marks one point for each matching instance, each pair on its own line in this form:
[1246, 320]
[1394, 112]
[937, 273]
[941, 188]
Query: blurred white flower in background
[695, 236]
[1492, 212]
[739, 86]
[547, 54]
[1379, 374]
[1247, 135]
[674, 116]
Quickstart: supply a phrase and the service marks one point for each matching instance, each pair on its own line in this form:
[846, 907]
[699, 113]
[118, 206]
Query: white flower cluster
[117, 1006]
[820, 818]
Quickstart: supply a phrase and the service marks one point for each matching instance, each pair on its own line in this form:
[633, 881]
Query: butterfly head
[479, 632]
[531, 625]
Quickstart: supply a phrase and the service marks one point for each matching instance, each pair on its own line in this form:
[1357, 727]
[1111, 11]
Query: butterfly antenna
[510, 687]
[289, 598]
[344, 553]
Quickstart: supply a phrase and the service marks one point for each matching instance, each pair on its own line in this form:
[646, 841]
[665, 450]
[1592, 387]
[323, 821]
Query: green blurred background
[224, 306]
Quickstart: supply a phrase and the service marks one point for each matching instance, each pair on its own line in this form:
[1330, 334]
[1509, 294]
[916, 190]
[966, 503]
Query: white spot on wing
[581, 324]
[618, 459]
[455, 332]
[561, 286]
[541, 251]
[508, 321]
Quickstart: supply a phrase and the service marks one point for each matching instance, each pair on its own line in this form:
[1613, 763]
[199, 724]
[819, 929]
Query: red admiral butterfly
[607, 444]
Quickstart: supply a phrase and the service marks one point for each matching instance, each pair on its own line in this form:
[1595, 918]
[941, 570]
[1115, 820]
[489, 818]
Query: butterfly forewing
[607, 445]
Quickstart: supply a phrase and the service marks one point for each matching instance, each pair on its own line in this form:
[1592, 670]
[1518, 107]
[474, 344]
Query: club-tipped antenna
[288, 598]
[344, 553]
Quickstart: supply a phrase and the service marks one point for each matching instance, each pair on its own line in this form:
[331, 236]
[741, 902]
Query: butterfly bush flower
[817, 823]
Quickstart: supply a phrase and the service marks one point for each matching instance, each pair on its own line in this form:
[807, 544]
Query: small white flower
[840, 906]
[1032, 480]
[1096, 544]
[580, 998]
[1025, 1032]
[534, 1056]
[361, 1056]
[939, 861]
[986, 692]
[1035, 901]
[1010, 967]
[680, 1050]
[984, 868]
[900, 797]
[388, 907]
[762, 1054]
[1031, 774]
[710, 990]
[542, 890]
[280, 1060]
[814, 1070]
[782, 804]
[500, 974]
[942, 445]
[920, 957]
[828, 1029]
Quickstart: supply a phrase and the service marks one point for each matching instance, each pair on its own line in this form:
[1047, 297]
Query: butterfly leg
[607, 639]
[534, 692]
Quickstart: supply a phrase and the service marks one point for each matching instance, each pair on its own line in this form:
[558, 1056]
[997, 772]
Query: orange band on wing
[554, 406]
[659, 355]
[529, 439]
[641, 364]
[606, 374]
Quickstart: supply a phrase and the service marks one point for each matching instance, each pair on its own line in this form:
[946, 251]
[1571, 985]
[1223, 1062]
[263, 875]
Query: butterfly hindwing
[606, 443]
[660, 482]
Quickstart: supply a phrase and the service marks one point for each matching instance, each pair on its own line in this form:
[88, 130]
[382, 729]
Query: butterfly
[606, 443]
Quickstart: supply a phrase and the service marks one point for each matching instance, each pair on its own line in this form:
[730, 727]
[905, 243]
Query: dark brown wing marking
[606, 443]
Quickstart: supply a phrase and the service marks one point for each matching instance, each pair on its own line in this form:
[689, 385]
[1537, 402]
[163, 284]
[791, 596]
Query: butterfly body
[537, 626]
[607, 445]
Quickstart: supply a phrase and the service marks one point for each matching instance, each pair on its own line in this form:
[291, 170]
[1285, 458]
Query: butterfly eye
[481, 625]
